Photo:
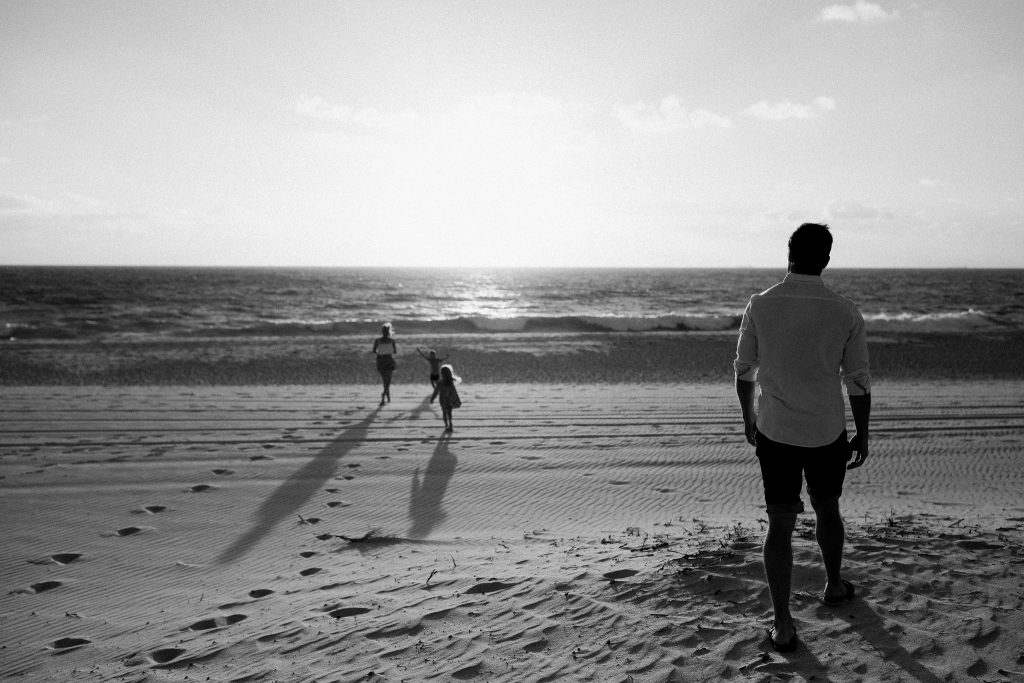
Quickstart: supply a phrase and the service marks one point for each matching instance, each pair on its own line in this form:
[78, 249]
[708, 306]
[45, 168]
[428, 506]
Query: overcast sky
[519, 133]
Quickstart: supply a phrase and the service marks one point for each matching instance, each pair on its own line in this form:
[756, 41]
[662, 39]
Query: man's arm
[747, 392]
[861, 408]
[857, 377]
[745, 366]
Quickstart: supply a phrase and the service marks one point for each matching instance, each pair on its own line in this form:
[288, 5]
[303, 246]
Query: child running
[435, 364]
[449, 397]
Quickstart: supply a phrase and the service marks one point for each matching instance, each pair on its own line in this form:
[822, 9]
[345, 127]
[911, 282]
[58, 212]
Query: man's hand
[750, 429]
[746, 392]
[858, 445]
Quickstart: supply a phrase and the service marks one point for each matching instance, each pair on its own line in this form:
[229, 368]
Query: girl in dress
[449, 397]
[385, 348]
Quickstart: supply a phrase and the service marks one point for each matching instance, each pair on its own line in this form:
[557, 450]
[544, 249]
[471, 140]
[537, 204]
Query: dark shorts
[435, 378]
[385, 364]
[783, 468]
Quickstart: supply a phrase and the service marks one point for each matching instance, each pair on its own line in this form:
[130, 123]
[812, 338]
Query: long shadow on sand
[295, 491]
[422, 407]
[872, 628]
[425, 501]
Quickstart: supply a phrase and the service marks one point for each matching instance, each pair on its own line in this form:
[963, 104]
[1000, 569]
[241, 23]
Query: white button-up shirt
[800, 341]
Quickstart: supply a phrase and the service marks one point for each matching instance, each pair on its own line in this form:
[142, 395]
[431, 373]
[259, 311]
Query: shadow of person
[803, 662]
[418, 411]
[425, 501]
[295, 491]
[871, 627]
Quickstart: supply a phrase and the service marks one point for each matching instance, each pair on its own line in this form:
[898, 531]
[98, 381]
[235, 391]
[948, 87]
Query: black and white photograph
[511, 340]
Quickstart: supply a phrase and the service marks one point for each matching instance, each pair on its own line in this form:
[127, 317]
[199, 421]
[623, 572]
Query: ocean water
[108, 304]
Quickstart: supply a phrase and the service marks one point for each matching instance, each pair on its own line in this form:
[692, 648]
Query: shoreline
[614, 358]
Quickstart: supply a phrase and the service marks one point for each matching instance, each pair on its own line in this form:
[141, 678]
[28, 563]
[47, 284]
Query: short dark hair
[809, 247]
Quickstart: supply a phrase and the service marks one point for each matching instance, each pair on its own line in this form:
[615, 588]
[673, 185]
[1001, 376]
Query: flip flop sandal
[783, 647]
[850, 592]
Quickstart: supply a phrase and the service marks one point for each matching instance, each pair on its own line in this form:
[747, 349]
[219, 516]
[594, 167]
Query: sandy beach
[591, 531]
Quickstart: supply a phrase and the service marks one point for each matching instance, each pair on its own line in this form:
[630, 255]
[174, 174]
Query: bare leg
[778, 570]
[387, 384]
[831, 534]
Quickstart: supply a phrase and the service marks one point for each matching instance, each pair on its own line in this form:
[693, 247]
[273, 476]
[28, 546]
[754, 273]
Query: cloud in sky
[786, 110]
[667, 116]
[368, 118]
[860, 12]
[27, 210]
[847, 210]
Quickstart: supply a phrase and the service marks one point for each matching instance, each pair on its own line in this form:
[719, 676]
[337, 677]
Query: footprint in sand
[255, 594]
[260, 457]
[166, 654]
[60, 558]
[150, 510]
[221, 472]
[348, 612]
[333, 490]
[618, 483]
[199, 488]
[489, 587]
[310, 571]
[306, 554]
[338, 504]
[620, 574]
[40, 587]
[216, 622]
[68, 643]
[331, 586]
[128, 531]
[537, 645]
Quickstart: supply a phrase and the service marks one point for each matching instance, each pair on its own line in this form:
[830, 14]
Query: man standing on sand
[801, 341]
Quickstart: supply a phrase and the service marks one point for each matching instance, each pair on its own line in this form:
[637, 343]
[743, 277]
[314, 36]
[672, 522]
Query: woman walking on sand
[385, 348]
[449, 397]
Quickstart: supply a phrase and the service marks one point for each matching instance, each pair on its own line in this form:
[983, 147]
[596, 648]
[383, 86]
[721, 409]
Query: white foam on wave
[945, 321]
